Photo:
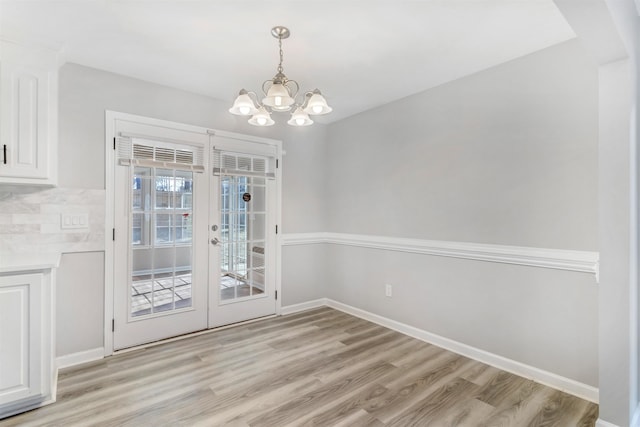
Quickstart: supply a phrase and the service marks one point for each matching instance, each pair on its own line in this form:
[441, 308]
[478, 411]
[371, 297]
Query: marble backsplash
[31, 220]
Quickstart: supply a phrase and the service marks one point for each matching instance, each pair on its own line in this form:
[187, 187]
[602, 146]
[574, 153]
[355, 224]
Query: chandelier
[280, 96]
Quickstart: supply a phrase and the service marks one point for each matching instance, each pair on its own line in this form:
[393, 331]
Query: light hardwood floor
[319, 367]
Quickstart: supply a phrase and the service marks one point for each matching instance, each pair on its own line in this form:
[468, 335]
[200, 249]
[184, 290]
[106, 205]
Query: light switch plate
[74, 220]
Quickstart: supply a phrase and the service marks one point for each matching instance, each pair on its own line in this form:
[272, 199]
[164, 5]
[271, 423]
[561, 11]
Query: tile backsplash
[51, 220]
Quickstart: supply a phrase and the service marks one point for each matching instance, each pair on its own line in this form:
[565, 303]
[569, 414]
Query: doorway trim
[110, 191]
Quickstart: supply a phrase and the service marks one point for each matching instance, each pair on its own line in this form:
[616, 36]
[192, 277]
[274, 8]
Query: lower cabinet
[27, 374]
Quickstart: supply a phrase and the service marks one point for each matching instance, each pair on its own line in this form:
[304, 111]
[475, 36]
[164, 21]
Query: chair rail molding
[559, 259]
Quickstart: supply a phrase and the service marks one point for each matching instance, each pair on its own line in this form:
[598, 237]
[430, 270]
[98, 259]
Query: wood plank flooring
[316, 368]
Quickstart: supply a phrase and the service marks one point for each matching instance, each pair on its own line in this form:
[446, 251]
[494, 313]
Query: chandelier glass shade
[300, 118]
[243, 105]
[261, 118]
[280, 95]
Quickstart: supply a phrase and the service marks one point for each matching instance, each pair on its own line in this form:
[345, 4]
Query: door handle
[215, 241]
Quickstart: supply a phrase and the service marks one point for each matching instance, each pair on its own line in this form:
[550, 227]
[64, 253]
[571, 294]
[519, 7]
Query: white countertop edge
[11, 262]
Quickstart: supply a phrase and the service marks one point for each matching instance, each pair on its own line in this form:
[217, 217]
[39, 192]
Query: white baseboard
[601, 423]
[294, 308]
[567, 385]
[79, 357]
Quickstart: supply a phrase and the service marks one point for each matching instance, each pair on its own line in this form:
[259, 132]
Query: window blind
[230, 163]
[160, 153]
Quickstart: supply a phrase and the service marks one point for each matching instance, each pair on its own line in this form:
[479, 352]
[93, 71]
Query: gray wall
[85, 94]
[615, 243]
[305, 273]
[506, 156]
[617, 299]
[79, 282]
[619, 188]
[610, 30]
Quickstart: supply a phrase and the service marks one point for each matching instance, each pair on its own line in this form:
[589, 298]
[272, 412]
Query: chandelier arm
[256, 100]
[305, 99]
[265, 88]
[293, 95]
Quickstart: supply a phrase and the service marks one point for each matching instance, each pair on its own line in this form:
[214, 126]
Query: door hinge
[276, 229]
[276, 295]
[113, 325]
[114, 234]
[114, 142]
[277, 164]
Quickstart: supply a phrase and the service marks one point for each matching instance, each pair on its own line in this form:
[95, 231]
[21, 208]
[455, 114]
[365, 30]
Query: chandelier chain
[280, 69]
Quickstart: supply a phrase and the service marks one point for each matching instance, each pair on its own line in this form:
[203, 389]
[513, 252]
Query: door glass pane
[242, 237]
[164, 231]
[165, 185]
[161, 240]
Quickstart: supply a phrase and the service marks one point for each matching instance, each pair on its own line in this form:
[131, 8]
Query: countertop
[11, 262]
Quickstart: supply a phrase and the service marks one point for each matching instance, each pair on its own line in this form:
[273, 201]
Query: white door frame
[109, 254]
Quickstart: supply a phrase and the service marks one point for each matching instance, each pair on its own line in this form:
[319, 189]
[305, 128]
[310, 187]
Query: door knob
[215, 241]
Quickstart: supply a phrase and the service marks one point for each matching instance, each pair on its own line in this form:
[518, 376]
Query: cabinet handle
[4, 152]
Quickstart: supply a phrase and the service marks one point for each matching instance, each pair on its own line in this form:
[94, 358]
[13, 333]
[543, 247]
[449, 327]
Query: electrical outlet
[388, 290]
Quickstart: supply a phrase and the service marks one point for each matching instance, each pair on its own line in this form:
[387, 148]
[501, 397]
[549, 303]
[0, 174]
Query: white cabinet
[28, 115]
[27, 374]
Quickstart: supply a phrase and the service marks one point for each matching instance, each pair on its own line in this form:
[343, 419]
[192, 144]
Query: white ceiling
[361, 54]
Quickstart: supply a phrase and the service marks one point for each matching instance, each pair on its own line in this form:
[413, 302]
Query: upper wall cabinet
[28, 115]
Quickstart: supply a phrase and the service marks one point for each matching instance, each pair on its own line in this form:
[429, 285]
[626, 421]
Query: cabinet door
[21, 373]
[28, 128]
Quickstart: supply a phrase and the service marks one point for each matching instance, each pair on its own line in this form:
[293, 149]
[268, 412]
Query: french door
[161, 204]
[194, 235]
[242, 236]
